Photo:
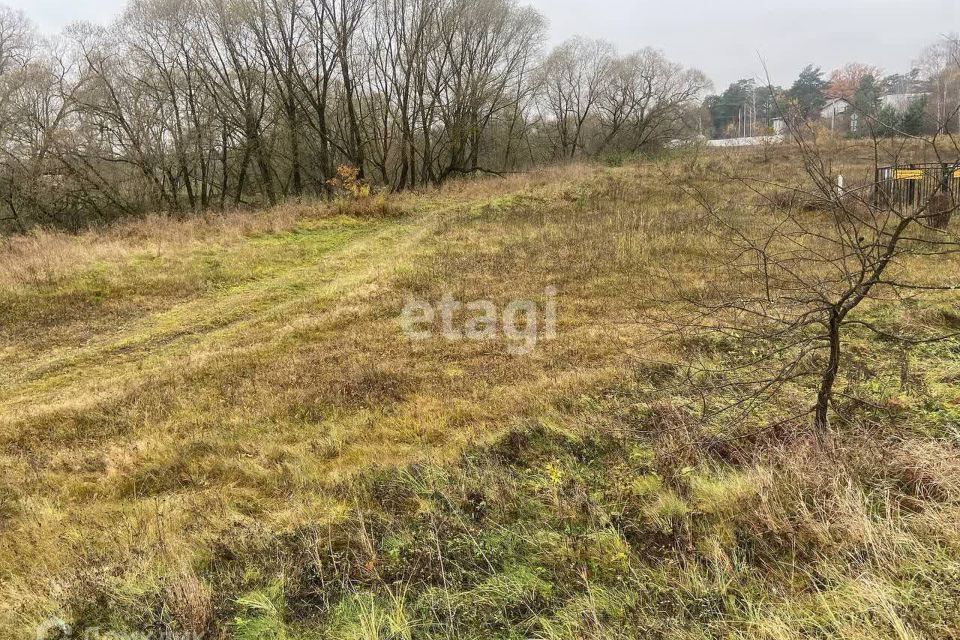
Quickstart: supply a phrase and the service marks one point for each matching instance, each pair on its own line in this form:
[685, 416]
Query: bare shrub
[188, 601]
[794, 283]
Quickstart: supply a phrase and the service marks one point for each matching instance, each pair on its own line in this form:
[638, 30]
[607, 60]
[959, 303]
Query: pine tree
[807, 93]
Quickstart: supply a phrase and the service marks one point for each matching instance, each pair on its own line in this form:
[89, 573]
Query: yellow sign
[956, 174]
[908, 174]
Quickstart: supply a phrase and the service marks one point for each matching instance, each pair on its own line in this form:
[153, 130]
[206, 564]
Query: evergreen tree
[911, 122]
[807, 93]
[743, 99]
[866, 99]
[887, 122]
[727, 108]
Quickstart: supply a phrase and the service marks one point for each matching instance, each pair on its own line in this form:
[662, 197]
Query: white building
[840, 114]
[900, 102]
[834, 111]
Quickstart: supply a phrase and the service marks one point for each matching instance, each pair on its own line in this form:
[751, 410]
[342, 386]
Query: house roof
[834, 107]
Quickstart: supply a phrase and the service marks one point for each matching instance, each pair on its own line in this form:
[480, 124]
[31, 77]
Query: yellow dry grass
[166, 383]
[166, 380]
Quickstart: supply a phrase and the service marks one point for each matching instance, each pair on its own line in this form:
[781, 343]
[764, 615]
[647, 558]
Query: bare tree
[280, 36]
[798, 275]
[940, 65]
[182, 105]
[646, 99]
[237, 77]
[346, 18]
[575, 74]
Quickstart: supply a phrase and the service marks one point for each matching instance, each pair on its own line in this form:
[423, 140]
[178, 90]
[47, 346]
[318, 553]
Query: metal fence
[910, 187]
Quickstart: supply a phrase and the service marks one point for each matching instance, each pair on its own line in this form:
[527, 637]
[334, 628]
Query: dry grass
[229, 367]
[184, 400]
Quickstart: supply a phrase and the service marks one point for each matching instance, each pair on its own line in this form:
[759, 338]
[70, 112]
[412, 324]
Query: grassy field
[216, 427]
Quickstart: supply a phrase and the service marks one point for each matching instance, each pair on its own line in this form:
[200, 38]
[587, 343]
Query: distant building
[834, 107]
[901, 102]
[840, 115]
[837, 115]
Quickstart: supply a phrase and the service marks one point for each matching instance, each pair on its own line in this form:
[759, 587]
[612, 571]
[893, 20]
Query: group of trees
[746, 108]
[862, 88]
[749, 107]
[928, 97]
[184, 105]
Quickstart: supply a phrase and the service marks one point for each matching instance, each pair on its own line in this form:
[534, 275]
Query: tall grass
[215, 426]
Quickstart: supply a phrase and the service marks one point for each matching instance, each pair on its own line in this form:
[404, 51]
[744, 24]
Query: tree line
[927, 98]
[189, 105]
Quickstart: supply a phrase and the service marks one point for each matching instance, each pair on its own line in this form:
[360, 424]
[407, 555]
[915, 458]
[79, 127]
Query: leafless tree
[575, 75]
[17, 39]
[794, 275]
[183, 105]
[940, 64]
[646, 99]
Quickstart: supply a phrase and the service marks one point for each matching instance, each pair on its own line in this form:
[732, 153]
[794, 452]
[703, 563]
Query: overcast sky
[726, 39]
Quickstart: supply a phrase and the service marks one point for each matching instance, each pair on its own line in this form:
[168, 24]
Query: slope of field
[217, 427]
